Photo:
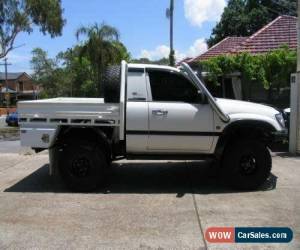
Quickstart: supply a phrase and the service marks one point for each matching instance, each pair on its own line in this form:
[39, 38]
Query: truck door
[178, 122]
[136, 111]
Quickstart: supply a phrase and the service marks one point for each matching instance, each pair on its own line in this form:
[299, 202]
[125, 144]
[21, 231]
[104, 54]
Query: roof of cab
[152, 66]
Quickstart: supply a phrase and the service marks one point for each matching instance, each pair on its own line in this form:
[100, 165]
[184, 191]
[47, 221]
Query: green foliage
[121, 52]
[20, 15]
[44, 72]
[278, 66]
[77, 71]
[162, 61]
[102, 48]
[272, 69]
[244, 17]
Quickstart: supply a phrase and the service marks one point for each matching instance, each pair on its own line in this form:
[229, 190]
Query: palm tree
[100, 48]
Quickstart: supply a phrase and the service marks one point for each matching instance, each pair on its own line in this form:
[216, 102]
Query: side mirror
[202, 97]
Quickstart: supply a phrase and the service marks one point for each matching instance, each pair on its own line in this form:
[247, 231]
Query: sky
[143, 26]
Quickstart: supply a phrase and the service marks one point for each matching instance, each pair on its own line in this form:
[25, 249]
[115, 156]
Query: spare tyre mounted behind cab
[111, 84]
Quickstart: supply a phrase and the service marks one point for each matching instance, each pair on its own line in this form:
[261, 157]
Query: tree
[244, 17]
[102, 48]
[20, 15]
[70, 73]
[40, 63]
[43, 72]
[65, 75]
[78, 72]
[122, 53]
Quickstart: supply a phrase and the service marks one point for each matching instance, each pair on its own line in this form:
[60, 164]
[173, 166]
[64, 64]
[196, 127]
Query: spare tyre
[111, 84]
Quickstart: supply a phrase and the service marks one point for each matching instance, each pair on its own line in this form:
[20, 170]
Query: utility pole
[6, 83]
[170, 12]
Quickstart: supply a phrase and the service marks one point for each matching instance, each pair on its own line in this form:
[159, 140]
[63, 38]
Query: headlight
[280, 119]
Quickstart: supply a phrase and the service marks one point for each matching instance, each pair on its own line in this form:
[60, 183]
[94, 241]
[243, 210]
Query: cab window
[171, 87]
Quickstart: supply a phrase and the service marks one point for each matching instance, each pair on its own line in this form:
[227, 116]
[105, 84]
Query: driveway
[146, 205]
[14, 147]
[8, 133]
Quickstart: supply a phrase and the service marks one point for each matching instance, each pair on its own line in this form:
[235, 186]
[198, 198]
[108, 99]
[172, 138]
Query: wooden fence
[3, 111]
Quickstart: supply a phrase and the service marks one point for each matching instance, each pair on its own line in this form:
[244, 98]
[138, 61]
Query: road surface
[145, 205]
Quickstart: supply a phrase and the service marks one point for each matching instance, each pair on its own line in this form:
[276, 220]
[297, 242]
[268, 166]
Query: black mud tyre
[83, 166]
[111, 84]
[246, 165]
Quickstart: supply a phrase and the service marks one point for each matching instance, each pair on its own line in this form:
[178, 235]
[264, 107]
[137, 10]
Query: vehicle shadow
[179, 178]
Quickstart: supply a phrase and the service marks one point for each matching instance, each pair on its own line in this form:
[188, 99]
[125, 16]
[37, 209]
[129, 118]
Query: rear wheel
[83, 166]
[246, 164]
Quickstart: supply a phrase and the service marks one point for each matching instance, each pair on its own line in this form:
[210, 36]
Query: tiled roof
[279, 32]
[10, 76]
[223, 47]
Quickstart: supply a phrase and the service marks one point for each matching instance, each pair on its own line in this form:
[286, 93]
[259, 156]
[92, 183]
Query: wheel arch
[243, 129]
[102, 135]
[70, 134]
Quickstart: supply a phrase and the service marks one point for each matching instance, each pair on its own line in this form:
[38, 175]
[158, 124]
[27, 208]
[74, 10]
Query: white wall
[294, 140]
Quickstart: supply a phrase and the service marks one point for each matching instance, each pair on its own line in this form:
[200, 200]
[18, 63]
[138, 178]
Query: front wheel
[246, 164]
[83, 166]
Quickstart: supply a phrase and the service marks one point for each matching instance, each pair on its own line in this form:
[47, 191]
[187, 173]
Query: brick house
[20, 87]
[279, 32]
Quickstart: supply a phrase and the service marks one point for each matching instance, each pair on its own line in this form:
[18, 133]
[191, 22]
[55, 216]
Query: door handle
[159, 112]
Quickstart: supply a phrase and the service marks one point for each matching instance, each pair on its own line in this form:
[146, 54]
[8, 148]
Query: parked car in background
[287, 113]
[12, 119]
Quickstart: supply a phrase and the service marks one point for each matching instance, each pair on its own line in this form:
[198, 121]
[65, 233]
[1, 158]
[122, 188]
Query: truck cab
[165, 113]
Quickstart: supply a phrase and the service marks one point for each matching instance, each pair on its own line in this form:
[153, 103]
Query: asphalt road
[145, 205]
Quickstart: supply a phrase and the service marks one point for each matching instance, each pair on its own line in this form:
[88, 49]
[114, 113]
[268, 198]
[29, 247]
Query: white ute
[151, 112]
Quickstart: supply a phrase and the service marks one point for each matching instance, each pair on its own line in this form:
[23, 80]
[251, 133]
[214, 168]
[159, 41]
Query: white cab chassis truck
[151, 112]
